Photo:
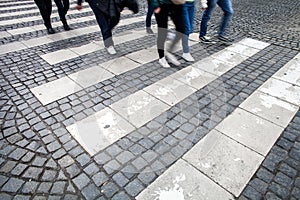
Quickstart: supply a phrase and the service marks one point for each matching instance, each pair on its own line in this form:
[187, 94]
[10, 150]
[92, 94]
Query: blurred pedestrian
[188, 14]
[107, 14]
[208, 6]
[163, 9]
[45, 7]
[148, 17]
[63, 7]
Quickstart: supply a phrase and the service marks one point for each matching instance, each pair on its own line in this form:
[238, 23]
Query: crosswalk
[221, 164]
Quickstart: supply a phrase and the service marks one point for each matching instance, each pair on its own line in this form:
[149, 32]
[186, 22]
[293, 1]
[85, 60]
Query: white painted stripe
[16, 7]
[138, 108]
[67, 54]
[56, 37]
[182, 181]
[222, 156]
[35, 18]
[13, 3]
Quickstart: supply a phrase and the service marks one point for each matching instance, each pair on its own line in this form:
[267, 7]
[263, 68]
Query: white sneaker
[163, 62]
[172, 58]
[111, 50]
[188, 57]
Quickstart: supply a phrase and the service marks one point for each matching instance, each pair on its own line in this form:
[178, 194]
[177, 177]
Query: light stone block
[270, 108]
[55, 90]
[37, 41]
[20, 30]
[170, 90]
[213, 66]
[59, 56]
[254, 43]
[11, 47]
[143, 56]
[229, 57]
[194, 77]
[100, 130]
[4, 34]
[62, 35]
[243, 49]
[131, 20]
[183, 182]
[88, 48]
[91, 76]
[250, 130]
[290, 72]
[139, 108]
[225, 161]
[120, 65]
[282, 90]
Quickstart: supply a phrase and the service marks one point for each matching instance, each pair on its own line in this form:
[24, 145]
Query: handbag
[178, 2]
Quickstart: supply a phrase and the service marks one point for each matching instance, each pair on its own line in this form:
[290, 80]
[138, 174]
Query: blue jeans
[149, 14]
[226, 6]
[104, 24]
[188, 15]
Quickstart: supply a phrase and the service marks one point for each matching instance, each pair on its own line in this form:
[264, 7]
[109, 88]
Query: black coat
[113, 8]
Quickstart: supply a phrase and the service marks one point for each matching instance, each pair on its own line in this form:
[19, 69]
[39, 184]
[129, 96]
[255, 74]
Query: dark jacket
[113, 8]
[156, 3]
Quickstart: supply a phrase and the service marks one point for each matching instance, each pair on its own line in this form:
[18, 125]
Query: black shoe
[67, 27]
[206, 40]
[149, 30]
[50, 31]
[225, 39]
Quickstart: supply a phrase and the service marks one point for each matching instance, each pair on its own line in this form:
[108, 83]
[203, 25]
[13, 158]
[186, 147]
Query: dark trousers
[103, 22]
[62, 7]
[45, 7]
[149, 14]
[176, 14]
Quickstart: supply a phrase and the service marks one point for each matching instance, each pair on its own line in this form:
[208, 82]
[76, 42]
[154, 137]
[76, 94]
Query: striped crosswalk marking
[230, 154]
[143, 106]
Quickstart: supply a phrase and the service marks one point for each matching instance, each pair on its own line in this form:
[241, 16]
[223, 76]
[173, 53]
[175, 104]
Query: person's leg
[149, 14]
[189, 19]
[206, 17]
[45, 8]
[66, 6]
[103, 24]
[62, 10]
[185, 38]
[162, 24]
[177, 16]
[226, 6]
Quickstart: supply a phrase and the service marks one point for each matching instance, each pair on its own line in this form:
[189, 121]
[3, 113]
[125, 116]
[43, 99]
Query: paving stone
[139, 163]
[71, 188]
[83, 159]
[91, 169]
[81, 181]
[90, 192]
[19, 169]
[120, 196]
[147, 176]
[296, 192]
[12, 185]
[100, 178]
[4, 196]
[53, 146]
[111, 166]
[120, 179]
[73, 170]
[61, 176]
[109, 189]
[49, 175]
[3, 180]
[134, 187]
[272, 196]
[102, 158]
[44, 187]
[30, 187]
[51, 163]
[58, 154]
[137, 149]
[124, 157]
[279, 190]
[114, 150]
[284, 180]
[252, 193]
[9, 165]
[58, 187]
[259, 185]
[22, 197]
[33, 173]
[66, 161]
[287, 170]
[39, 161]
[28, 157]
[17, 154]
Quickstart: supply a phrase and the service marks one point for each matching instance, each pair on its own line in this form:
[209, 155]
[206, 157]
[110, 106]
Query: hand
[157, 10]
[78, 7]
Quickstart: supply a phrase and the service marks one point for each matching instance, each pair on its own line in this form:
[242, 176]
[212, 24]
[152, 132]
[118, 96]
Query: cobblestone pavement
[77, 123]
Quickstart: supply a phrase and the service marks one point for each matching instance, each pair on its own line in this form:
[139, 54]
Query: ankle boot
[66, 27]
